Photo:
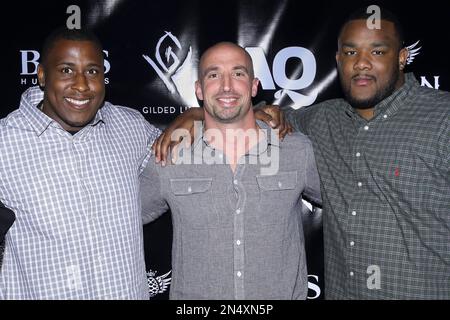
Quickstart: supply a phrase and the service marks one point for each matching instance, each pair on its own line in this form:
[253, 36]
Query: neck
[233, 139]
[366, 113]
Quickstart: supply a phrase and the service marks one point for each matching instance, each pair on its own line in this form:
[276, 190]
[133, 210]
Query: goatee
[379, 96]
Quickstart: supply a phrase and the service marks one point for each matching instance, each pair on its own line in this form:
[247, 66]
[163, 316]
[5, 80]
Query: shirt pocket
[278, 195]
[195, 202]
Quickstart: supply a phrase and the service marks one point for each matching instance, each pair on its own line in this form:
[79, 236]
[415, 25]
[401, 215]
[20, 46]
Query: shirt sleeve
[297, 118]
[444, 144]
[152, 133]
[7, 218]
[312, 187]
[153, 203]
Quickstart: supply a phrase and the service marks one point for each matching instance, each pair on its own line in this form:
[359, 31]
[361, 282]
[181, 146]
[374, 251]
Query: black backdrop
[152, 47]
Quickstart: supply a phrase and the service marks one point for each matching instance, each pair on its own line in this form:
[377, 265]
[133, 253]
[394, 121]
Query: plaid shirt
[78, 232]
[386, 192]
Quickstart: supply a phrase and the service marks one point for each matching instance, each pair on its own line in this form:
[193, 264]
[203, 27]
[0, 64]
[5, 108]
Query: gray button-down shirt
[386, 190]
[236, 235]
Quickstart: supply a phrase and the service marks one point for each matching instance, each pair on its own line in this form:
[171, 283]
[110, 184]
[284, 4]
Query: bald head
[226, 84]
[225, 47]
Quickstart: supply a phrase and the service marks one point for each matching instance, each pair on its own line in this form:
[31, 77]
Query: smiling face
[73, 79]
[226, 83]
[370, 62]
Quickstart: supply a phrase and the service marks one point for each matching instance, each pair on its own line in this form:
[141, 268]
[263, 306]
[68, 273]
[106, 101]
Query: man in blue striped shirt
[70, 171]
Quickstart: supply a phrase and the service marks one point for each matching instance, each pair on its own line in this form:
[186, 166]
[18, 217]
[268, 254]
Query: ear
[403, 58]
[41, 75]
[198, 90]
[255, 83]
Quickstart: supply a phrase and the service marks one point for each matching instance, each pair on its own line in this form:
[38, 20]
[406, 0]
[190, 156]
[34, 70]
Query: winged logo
[412, 52]
[157, 284]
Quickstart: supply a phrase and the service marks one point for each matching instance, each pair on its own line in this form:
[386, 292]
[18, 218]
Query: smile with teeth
[227, 100]
[77, 102]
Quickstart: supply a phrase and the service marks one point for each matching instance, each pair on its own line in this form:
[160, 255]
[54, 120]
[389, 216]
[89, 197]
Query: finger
[288, 130]
[284, 127]
[174, 146]
[164, 145]
[275, 112]
[276, 117]
[177, 137]
[156, 148]
[265, 117]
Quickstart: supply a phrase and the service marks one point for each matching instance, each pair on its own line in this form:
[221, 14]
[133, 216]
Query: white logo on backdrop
[413, 52]
[30, 60]
[157, 285]
[177, 74]
[289, 84]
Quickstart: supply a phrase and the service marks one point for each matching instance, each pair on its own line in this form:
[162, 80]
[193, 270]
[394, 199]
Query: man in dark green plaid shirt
[383, 156]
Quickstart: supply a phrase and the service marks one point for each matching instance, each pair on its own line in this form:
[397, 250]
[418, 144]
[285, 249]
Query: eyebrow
[71, 64]
[373, 44]
[215, 68]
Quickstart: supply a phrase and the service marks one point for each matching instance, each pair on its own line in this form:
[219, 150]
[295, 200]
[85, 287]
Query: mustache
[363, 76]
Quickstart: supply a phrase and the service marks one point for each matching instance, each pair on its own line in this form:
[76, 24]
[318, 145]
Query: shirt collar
[390, 105]
[38, 120]
[270, 138]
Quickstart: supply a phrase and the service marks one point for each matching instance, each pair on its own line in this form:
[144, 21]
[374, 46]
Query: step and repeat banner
[151, 51]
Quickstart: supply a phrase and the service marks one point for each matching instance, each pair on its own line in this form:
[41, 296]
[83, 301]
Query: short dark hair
[386, 15]
[63, 33]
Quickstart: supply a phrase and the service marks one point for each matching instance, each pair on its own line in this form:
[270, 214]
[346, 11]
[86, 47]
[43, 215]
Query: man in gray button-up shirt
[235, 201]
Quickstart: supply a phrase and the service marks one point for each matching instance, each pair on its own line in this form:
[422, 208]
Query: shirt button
[351, 274]
[385, 116]
[238, 211]
[235, 181]
[189, 189]
[238, 242]
[280, 184]
[366, 128]
[358, 154]
[359, 184]
[239, 274]
[353, 213]
[352, 243]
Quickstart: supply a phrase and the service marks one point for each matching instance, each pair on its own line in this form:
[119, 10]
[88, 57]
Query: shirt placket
[238, 234]
[356, 211]
[89, 212]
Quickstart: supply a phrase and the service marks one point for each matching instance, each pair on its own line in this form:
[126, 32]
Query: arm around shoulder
[153, 203]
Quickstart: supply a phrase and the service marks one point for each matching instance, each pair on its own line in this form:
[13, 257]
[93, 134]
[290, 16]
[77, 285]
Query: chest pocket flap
[189, 186]
[280, 181]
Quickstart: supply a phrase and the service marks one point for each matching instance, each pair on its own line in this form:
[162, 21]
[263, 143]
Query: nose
[226, 82]
[363, 62]
[80, 83]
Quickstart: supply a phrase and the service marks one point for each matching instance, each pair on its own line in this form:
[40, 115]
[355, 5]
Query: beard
[379, 96]
[225, 116]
